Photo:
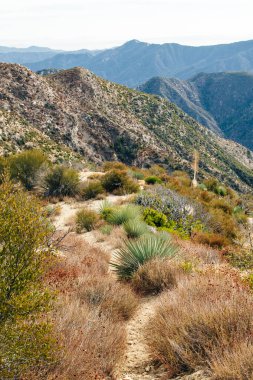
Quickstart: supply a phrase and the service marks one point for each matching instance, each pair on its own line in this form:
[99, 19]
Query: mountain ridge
[221, 101]
[135, 62]
[101, 120]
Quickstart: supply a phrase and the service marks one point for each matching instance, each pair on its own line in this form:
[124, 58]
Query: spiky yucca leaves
[123, 214]
[135, 228]
[135, 253]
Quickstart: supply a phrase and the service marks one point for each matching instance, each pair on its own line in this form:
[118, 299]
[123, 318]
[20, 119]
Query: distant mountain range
[101, 120]
[221, 101]
[136, 62]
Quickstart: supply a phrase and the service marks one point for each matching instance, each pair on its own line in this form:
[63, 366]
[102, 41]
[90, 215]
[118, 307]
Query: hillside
[221, 101]
[136, 62]
[104, 121]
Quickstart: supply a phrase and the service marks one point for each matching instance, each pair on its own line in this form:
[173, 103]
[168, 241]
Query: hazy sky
[76, 24]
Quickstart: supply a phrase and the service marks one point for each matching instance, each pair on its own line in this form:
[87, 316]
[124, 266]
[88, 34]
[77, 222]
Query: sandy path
[137, 365]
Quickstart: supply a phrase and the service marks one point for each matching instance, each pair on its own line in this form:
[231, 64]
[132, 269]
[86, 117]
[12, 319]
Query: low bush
[136, 252]
[113, 165]
[204, 316]
[25, 167]
[136, 175]
[154, 276]
[182, 213]
[155, 218]
[118, 182]
[211, 239]
[91, 189]
[222, 205]
[211, 184]
[86, 220]
[135, 228]
[221, 190]
[121, 215]
[224, 224]
[152, 180]
[61, 181]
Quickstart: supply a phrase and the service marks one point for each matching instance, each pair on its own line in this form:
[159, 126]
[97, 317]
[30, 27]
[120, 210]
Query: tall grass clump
[135, 228]
[154, 276]
[204, 318]
[86, 220]
[135, 253]
[121, 215]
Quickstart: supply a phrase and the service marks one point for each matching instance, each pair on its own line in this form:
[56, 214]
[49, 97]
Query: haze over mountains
[104, 121]
[221, 101]
[136, 62]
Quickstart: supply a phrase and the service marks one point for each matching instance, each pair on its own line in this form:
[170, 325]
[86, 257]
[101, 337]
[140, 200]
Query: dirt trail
[137, 365]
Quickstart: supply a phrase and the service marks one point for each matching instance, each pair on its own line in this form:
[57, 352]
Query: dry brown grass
[91, 313]
[205, 315]
[235, 363]
[155, 276]
[93, 345]
[114, 240]
[211, 239]
[112, 298]
[197, 253]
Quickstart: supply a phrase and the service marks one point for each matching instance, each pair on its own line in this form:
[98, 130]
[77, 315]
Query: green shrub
[25, 341]
[86, 220]
[91, 190]
[136, 252]
[121, 215]
[61, 181]
[211, 184]
[24, 234]
[155, 218]
[26, 345]
[25, 167]
[118, 182]
[202, 186]
[136, 175]
[221, 190]
[135, 228]
[151, 180]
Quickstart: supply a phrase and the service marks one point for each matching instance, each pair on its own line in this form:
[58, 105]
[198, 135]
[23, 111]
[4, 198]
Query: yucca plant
[123, 214]
[135, 253]
[135, 228]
